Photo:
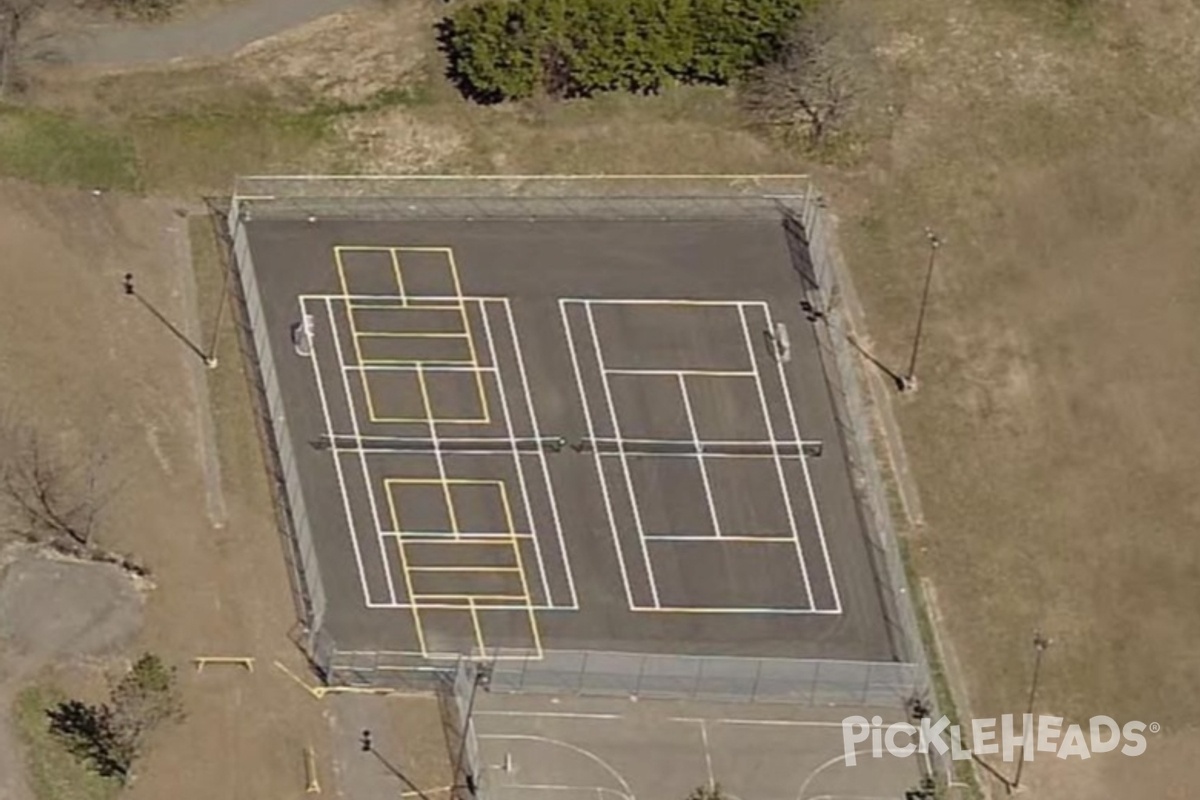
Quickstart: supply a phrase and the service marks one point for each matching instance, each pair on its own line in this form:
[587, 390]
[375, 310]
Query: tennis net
[391, 444]
[670, 447]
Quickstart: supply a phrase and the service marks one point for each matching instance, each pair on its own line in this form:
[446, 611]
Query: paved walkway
[216, 34]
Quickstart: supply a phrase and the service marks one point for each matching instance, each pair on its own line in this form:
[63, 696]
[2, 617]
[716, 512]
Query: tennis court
[518, 437]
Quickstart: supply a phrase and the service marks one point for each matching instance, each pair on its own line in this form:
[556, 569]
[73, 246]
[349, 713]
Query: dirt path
[218, 33]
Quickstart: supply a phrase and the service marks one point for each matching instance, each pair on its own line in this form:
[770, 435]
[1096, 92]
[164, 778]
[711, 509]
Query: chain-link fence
[711, 678]
[793, 202]
[816, 260]
[815, 255]
[519, 198]
[809, 682]
[290, 503]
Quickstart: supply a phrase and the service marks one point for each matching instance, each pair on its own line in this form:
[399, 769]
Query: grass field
[1052, 439]
[53, 772]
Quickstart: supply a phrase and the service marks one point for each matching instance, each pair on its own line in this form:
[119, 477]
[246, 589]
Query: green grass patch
[204, 151]
[963, 773]
[49, 147]
[238, 444]
[53, 773]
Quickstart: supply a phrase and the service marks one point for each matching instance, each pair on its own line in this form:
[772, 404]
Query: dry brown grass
[1052, 433]
[1052, 437]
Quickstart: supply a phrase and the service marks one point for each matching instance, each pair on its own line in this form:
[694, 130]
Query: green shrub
[511, 49]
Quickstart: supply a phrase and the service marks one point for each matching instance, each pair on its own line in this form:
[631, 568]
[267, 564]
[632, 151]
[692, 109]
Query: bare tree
[51, 499]
[14, 16]
[810, 92]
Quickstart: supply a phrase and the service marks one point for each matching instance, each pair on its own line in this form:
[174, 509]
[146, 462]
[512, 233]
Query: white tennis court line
[591, 429]
[707, 373]
[337, 467]
[774, 442]
[441, 537]
[516, 454]
[684, 537]
[708, 495]
[437, 453]
[337, 344]
[633, 502]
[812, 495]
[449, 366]
[783, 488]
[382, 533]
[541, 454]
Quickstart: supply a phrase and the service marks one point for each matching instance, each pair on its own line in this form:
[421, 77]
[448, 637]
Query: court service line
[410, 365]
[414, 334]
[488, 569]
[791, 611]
[708, 495]
[337, 468]
[682, 537]
[783, 487]
[812, 495]
[705, 373]
[437, 451]
[652, 301]
[466, 325]
[419, 303]
[537, 432]
[516, 454]
[357, 433]
[612, 411]
[591, 428]
[447, 537]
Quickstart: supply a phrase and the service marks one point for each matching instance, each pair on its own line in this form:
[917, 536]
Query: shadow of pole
[170, 326]
[369, 747]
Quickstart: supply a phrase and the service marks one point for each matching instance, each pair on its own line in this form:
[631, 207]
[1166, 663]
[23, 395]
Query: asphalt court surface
[591, 749]
[522, 436]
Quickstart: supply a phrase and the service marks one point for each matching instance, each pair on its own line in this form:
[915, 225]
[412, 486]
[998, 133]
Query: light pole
[908, 381]
[210, 360]
[1040, 643]
[482, 676]
[369, 747]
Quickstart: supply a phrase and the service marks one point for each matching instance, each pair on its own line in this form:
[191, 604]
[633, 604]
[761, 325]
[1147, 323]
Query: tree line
[512, 49]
